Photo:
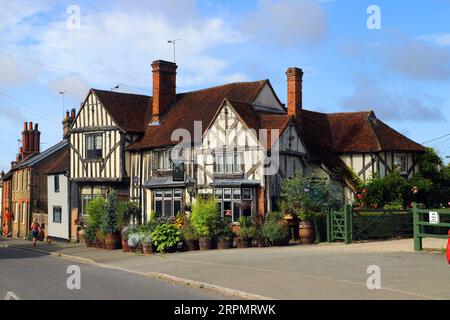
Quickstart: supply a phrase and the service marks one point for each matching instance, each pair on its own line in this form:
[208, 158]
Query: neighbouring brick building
[29, 181]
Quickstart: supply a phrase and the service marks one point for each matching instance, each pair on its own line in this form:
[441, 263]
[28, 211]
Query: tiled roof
[200, 105]
[352, 132]
[60, 165]
[131, 112]
[42, 156]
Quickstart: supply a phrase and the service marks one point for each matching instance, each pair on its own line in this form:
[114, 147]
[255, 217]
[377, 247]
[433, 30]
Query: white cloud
[441, 39]
[287, 22]
[368, 94]
[117, 45]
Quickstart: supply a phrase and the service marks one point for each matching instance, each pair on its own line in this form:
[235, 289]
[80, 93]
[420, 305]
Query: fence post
[329, 225]
[417, 228]
[347, 223]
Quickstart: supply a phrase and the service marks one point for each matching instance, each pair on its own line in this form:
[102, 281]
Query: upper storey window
[94, 146]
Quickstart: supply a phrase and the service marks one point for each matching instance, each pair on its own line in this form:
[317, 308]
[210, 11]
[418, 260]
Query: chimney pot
[294, 91]
[73, 113]
[30, 126]
[36, 127]
[25, 127]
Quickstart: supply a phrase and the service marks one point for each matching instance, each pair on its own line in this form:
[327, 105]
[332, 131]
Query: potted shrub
[133, 242]
[203, 214]
[274, 230]
[189, 236]
[305, 197]
[246, 232]
[89, 236]
[100, 239]
[110, 223]
[166, 237]
[223, 233]
[146, 241]
[126, 232]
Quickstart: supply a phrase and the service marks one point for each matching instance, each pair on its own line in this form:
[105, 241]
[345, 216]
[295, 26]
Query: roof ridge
[223, 85]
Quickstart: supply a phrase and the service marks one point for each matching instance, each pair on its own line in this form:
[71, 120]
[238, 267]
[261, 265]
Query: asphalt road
[31, 276]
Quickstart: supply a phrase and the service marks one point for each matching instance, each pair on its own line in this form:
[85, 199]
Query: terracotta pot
[80, 234]
[224, 244]
[100, 244]
[147, 248]
[307, 233]
[125, 246]
[139, 249]
[133, 249]
[190, 245]
[205, 244]
[243, 243]
[89, 243]
[113, 241]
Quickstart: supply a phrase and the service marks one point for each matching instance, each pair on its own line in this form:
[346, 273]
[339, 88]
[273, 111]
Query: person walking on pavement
[35, 228]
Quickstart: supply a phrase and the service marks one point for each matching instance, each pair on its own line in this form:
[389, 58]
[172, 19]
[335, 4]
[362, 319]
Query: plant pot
[139, 249]
[89, 243]
[190, 245]
[125, 246]
[205, 244]
[172, 249]
[100, 244]
[307, 233]
[243, 243]
[147, 248]
[224, 244]
[133, 249]
[113, 241]
[80, 234]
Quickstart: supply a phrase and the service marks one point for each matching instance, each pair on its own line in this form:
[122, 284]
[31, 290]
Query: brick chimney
[164, 87]
[294, 91]
[31, 141]
[68, 121]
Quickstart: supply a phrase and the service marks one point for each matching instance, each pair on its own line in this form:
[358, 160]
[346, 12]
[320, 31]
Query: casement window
[228, 163]
[85, 201]
[168, 202]
[94, 146]
[56, 183]
[401, 162]
[24, 212]
[234, 202]
[57, 212]
[162, 160]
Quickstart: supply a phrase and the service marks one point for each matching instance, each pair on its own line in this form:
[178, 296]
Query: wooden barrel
[113, 241]
[306, 233]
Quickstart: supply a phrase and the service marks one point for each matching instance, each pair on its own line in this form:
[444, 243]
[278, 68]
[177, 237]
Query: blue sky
[401, 71]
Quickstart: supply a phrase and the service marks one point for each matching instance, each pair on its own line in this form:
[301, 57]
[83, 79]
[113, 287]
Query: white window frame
[60, 214]
[24, 212]
[228, 162]
[175, 195]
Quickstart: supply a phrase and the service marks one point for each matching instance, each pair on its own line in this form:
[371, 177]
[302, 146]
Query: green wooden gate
[420, 225]
[339, 225]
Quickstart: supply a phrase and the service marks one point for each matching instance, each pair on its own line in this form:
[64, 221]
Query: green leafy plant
[274, 232]
[247, 229]
[187, 230]
[128, 211]
[165, 236]
[222, 228]
[89, 233]
[95, 211]
[204, 212]
[110, 223]
[305, 196]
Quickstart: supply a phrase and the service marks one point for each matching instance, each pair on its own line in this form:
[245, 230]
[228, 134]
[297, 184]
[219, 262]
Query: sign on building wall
[178, 171]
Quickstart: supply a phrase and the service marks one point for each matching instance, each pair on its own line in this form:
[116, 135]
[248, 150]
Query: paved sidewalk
[325, 271]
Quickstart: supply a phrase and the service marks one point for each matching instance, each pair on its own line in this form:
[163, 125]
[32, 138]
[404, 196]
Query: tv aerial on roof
[174, 43]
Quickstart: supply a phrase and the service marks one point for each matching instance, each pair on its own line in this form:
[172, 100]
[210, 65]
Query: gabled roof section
[352, 132]
[61, 165]
[42, 156]
[201, 105]
[129, 111]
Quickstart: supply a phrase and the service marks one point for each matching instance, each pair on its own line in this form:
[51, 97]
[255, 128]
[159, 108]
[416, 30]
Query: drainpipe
[141, 160]
[69, 207]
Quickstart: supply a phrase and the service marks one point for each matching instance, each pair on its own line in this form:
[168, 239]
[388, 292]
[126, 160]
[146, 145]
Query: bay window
[168, 202]
[234, 202]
